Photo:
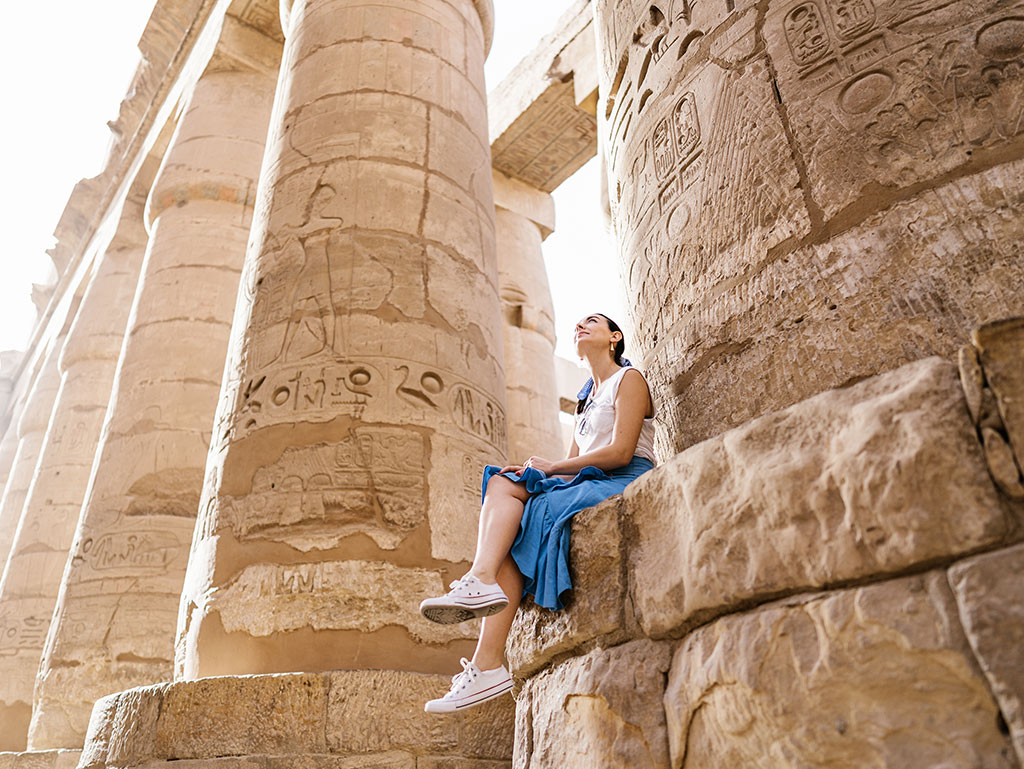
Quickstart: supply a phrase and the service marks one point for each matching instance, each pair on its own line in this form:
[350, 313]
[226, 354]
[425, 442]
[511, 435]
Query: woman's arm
[632, 403]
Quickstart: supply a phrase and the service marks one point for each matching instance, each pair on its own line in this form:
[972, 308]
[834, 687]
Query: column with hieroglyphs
[806, 194]
[38, 553]
[364, 390]
[524, 216]
[113, 624]
[35, 417]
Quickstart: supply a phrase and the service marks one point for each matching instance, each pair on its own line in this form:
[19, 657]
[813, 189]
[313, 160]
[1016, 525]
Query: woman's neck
[601, 367]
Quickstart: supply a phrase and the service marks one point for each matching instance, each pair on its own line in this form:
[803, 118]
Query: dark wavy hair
[620, 348]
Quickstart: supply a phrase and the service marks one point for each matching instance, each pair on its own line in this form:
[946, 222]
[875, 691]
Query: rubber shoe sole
[453, 614]
[447, 706]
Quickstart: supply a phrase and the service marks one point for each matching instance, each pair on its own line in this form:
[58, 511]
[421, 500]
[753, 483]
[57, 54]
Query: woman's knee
[500, 486]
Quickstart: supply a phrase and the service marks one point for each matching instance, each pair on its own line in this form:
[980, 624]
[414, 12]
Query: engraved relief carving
[371, 482]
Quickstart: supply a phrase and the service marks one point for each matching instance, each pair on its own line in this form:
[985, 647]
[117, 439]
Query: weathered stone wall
[799, 591]
[807, 192]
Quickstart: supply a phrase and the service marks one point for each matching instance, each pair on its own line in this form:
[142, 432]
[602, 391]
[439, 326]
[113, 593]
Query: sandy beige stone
[130, 549]
[596, 606]
[364, 388]
[990, 597]
[97, 737]
[32, 577]
[338, 595]
[866, 480]
[41, 759]
[879, 676]
[1002, 464]
[542, 124]
[529, 329]
[30, 431]
[602, 709]
[867, 92]
[261, 714]
[23, 627]
[1001, 350]
[972, 379]
[796, 216]
[359, 698]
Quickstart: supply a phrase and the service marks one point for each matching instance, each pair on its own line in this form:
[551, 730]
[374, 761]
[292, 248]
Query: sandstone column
[807, 193]
[113, 626]
[31, 429]
[524, 217]
[364, 389]
[16, 632]
[33, 573]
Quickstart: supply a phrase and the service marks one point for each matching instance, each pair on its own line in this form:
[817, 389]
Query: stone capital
[529, 202]
[483, 7]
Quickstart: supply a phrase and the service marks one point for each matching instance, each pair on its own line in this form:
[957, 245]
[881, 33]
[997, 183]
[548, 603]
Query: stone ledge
[291, 718]
[859, 483]
[596, 607]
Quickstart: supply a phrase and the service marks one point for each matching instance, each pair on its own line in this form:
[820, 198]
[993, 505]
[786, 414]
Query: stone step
[339, 718]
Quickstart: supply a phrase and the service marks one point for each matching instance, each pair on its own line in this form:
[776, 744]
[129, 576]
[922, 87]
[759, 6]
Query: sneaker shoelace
[463, 679]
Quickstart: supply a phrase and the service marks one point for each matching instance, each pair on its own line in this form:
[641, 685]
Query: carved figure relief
[301, 302]
[372, 482]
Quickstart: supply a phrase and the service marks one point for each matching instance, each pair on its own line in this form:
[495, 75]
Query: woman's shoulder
[638, 383]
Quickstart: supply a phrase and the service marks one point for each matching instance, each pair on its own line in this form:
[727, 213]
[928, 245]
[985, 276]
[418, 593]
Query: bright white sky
[66, 67]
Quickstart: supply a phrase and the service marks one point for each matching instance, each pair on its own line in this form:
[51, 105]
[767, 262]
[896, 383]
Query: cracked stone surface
[608, 700]
[879, 676]
[364, 388]
[871, 479]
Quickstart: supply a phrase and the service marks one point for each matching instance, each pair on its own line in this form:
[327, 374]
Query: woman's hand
[545, 466]
[517, 469]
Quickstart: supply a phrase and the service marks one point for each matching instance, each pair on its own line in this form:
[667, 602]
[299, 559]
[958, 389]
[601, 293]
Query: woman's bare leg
[490, 647]
[499, 524]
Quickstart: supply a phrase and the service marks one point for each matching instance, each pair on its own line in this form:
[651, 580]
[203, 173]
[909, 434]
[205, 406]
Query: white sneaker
[471, 687]
[469, 598]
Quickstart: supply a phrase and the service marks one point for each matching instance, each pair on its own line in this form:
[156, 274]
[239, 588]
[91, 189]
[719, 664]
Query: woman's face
[592, 333]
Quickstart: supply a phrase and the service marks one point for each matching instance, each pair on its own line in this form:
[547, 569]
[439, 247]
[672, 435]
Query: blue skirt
[541, 549]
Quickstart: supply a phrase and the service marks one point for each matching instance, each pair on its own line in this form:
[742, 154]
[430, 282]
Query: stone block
[596, 606]
[36, 759]
[282, 713]
[336, 595]
[1001, 350]
[134, 730]
[97, 737]
[990, 596]
[449, 762]
[879, 676]
[358, 698]
[602, 709]
[871, 479]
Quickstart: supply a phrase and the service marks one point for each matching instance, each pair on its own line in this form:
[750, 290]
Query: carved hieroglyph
[33, 573]
[113, 626]
[808, 194]
[364, 389]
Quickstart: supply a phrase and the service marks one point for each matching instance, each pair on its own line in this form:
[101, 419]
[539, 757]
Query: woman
[523, 539]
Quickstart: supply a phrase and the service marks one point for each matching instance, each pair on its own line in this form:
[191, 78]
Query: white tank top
[594, 425]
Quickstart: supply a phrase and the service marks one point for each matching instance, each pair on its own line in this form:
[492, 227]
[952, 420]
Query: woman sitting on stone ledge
[523, 539]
